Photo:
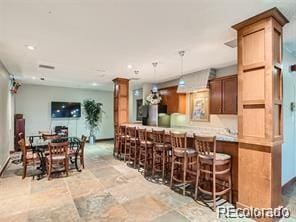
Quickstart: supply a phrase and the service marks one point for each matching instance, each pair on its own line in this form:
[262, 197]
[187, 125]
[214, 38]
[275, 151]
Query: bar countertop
[220, 133]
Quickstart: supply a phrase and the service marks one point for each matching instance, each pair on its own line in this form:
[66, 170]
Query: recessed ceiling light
[33, 77]
[129, 66]
[30, 47]
[94, 84]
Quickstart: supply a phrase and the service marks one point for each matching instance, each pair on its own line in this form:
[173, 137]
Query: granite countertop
[220, 133]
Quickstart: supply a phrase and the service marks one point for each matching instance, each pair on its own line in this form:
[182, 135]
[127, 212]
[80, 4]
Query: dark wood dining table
[40, 146]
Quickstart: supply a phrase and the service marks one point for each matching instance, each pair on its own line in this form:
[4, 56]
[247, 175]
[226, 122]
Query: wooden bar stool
[119, 148]
[161, 151]
[185, 158]
[214, 170]
[146, 149]
[131, 142]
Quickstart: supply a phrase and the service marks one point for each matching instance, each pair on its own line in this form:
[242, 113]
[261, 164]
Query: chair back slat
[50, 136]
[131, 132]
[82, 143]
[23, 148]
[58, 149]
[122, 130]
[178, 140]
[158, 136]
[142, 134]
[205, 145]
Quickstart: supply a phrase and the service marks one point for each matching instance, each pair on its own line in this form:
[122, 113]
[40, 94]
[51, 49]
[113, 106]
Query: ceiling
[93, 41]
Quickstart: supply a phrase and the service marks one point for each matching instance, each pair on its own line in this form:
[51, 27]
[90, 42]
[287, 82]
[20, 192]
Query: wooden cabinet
[19, 130]
[175, 102]
[223, 95]
[121, 87]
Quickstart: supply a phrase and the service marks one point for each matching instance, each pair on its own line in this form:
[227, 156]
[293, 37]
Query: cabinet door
[229, 94]
[215, 97]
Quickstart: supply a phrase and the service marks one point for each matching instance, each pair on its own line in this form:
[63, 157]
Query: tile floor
[106, 190]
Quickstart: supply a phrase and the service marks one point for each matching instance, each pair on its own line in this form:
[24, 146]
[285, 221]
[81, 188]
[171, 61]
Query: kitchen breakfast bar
[226, 143]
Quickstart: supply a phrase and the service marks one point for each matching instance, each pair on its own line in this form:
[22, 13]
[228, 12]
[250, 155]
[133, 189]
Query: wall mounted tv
[65, 110]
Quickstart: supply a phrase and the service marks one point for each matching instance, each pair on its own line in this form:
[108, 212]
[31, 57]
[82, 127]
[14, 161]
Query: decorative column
[260, 88]
[121, 95]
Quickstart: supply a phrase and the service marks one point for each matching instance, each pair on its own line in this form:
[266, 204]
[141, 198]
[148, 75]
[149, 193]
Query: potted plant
[93, 115]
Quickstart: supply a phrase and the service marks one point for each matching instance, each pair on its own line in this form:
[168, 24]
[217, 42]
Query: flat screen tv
[65, 110]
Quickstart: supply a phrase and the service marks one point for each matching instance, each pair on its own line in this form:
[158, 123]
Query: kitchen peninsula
[226, 143]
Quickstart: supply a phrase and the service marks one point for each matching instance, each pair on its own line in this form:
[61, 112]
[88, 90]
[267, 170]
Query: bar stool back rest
[131, 132]
[158, 136]
[142, 134]
[122, 130]
[205, 145]
[178, 140]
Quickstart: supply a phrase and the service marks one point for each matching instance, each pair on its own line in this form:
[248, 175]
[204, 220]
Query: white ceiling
[79, 37]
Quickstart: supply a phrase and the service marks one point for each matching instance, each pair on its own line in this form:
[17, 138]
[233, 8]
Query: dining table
[39, 146]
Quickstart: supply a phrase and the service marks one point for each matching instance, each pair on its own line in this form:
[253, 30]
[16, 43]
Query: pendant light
[154, 88]
[181, 80]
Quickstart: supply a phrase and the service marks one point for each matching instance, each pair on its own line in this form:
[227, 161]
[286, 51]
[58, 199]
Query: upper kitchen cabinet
[175, 102]
[223, 95]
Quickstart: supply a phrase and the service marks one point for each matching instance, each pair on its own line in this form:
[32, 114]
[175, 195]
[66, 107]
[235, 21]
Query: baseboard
[104, 139]
[4, 166]
[286, 186]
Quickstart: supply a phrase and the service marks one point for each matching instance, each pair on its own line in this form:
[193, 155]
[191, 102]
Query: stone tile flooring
[106, 190]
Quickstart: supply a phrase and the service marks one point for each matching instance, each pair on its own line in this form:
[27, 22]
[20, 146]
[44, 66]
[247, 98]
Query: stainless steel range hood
[196, 81]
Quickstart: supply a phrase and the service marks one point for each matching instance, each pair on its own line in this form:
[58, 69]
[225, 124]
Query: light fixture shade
[181, 82]
[154, 89]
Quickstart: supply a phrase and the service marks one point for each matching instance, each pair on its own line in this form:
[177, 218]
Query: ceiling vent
[135, 79]
[232, 43]
[46, 67]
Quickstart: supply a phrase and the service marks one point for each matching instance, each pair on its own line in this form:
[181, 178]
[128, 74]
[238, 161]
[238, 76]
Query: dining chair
[58, 155]
[214, 170]
[28, 157]
[73, 152]
[183, 157]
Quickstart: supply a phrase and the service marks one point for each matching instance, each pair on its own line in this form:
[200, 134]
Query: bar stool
[146, 149]
[183, 157]
[131, 142]
[161, 151]
[213, 168]
[120, 141]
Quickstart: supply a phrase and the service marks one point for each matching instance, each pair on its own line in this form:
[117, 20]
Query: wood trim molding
[273, 12]
[4, 166]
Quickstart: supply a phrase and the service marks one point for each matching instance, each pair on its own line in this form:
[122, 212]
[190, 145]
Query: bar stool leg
[125, 151]
[145, 161]
[153, 163]
[197, 180]
[214, 188]
[172, 171]
[135, 157]
[163, 164]
[230, 185]
[184, 174]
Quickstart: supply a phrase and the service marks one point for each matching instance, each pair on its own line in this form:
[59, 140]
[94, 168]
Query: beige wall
[6, 116]
[34, 101]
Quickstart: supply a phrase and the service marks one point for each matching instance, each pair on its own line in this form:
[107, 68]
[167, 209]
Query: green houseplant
[93, 115]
